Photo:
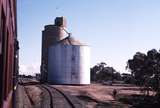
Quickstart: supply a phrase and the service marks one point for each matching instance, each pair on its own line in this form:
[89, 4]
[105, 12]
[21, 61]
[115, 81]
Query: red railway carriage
[8, 52]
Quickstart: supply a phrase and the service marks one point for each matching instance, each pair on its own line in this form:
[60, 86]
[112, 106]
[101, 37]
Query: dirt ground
[100, 96]
[93, 95]
[35, 95]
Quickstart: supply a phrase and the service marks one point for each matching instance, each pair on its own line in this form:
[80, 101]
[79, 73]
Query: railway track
[57, 98]
[53, 97]
[50, 98]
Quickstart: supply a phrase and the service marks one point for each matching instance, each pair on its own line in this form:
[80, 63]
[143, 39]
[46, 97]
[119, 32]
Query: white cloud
[29, 69]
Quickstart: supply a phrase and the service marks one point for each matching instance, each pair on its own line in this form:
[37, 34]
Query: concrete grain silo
[68, 61]
[50, 35]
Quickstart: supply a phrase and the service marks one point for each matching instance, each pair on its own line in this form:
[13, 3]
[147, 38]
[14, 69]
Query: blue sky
[114, 29]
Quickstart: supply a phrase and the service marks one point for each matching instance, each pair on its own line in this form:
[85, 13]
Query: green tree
[145, 68]
[102, 72]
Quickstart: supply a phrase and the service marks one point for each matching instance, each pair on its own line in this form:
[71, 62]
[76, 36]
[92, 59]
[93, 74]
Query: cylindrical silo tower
[69, 63]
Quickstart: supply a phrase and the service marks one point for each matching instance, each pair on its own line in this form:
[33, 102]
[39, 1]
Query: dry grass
[93, 95]
[100, 93]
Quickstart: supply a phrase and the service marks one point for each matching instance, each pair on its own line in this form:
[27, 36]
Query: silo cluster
[65, 60]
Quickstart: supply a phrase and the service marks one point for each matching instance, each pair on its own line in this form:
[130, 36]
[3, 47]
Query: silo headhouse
[65, 60]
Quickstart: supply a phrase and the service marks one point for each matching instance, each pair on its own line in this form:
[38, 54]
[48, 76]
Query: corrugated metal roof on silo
[70, 41]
